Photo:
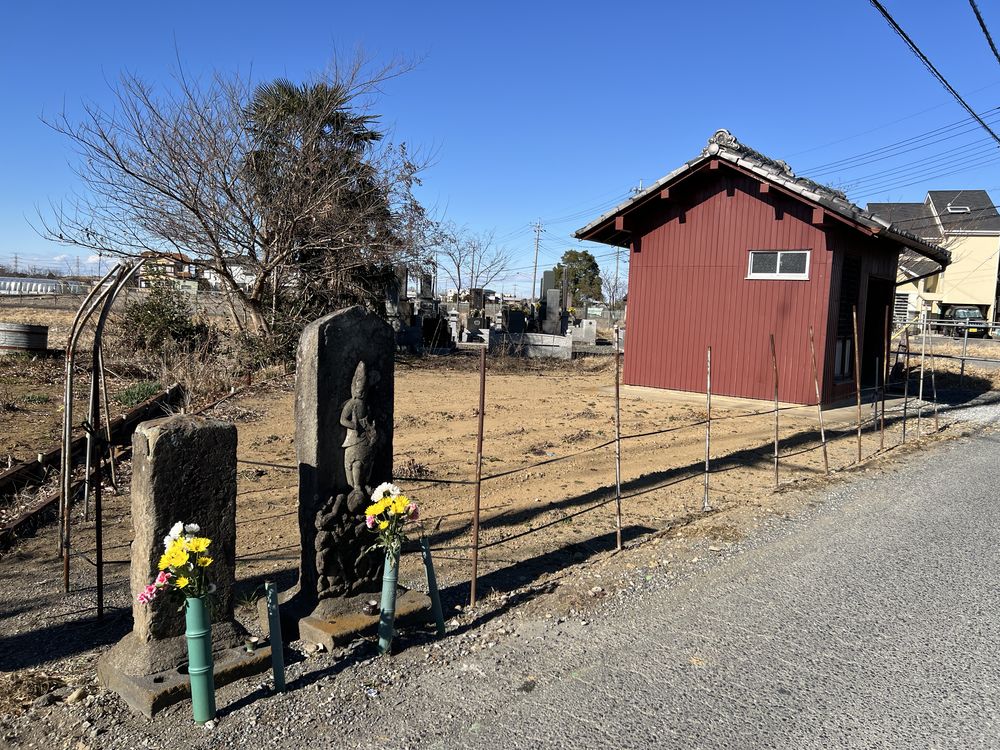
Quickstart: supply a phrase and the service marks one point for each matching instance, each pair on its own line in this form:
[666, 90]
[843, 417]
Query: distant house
[965, 222]
[176, 269]
[243, 271]
[731, 247]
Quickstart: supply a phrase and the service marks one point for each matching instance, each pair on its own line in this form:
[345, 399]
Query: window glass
[764, 263]
[792, 263]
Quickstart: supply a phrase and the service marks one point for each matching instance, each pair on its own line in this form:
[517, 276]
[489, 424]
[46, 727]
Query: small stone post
[183, 469]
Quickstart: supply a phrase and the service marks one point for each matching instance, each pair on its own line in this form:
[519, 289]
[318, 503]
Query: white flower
[386, 488]
[191, 528]
[175, 531]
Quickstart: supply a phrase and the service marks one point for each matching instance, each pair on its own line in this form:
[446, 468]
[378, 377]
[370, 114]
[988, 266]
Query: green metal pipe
[432, 586]
[274, 628]
[199, 643]
[388, 608]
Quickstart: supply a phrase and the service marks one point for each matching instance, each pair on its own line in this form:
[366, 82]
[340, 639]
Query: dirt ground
[548, 510]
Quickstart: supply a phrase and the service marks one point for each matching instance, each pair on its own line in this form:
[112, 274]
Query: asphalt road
[871, 621]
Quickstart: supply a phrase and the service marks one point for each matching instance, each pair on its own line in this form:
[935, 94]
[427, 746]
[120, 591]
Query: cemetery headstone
[183, 469]
[343, 440]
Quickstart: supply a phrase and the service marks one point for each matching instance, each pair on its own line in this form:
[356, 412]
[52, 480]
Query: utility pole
[15, 261]
[534, 275]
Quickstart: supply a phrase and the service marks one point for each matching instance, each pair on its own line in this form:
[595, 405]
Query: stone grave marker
[183, 469]
[343, 442]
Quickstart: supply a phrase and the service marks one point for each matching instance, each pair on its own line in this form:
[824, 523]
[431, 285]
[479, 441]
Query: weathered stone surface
[150, 693]
[343, 440]
[337, 622]
[183, 469]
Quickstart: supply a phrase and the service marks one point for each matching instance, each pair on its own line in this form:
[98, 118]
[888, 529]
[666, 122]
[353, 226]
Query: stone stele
[183, 469]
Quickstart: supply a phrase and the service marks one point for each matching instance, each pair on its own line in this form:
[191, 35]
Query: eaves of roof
[723, 146]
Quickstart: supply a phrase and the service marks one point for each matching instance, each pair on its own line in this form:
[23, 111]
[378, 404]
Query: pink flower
[414, 512]
[162, 578]
[147, 595]
[370, 522]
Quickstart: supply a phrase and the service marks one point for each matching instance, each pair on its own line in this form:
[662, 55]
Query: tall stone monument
[183, 469]
[343, 442]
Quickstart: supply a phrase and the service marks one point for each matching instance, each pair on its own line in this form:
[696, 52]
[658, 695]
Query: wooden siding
[688, 290]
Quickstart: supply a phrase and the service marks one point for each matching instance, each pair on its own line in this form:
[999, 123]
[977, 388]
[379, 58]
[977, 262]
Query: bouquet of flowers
[388, 515]
[183, 565]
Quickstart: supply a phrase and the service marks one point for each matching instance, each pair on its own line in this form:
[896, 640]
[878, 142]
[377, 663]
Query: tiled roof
[916, 218]
[982, 215]
[723, 145]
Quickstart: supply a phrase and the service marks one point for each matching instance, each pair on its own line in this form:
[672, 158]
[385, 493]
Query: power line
[930, 66]
[986, 31]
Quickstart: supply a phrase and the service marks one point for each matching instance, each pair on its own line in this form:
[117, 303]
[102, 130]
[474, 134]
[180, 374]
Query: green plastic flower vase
[387, 617]
[200, 669]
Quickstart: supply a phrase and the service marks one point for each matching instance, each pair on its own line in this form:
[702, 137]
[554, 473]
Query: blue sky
[550, 111]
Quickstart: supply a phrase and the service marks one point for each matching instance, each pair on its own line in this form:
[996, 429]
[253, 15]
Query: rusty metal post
[705, 505]
[885, 378]
[479, 476]
[857, 374]
[618, 444]
[774, 368]
[906, 377]
[66, 459]
[965, 350]
[819, 402]
[107, 419]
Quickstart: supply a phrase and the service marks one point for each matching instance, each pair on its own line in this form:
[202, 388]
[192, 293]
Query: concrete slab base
[148, 694]
[337, 622]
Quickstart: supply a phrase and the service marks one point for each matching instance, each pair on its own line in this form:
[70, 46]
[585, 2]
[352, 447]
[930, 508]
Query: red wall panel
[688, 290]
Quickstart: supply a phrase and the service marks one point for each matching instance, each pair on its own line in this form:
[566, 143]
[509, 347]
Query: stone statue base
[336, 622]
[149, 676]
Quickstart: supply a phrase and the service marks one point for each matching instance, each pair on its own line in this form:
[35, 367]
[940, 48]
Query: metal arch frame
[105, 299]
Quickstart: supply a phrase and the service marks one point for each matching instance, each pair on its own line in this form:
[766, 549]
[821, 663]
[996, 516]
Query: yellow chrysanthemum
[204, 562]
[182, 582]
[374, 509]
[164, 561]
[198, 544]
[383, 525]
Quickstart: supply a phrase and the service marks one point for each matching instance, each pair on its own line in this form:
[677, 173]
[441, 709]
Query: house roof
[982, 215]
[724, 147]
[916, 266]
[916, 218]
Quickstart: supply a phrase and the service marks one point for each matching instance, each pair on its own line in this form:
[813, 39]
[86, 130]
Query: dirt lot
[547, 507]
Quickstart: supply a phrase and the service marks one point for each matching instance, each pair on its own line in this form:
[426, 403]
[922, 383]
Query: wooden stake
[906, 377]
[705, 506]
[857, 374]
[937, 425]
[479, 476]
[819, 402]
[774, 368]
[885, 378]
[618, 443]
[923, 356]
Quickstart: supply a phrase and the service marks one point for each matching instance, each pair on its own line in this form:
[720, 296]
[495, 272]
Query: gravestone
[553, 323]
[183, 469]
[343, 443]
[548, 282]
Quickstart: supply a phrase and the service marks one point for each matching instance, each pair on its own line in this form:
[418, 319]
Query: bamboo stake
[885, 378]
[965, 350]
[923, 356]
[819, 402]
[857, 374]
[774, 368]
[618, 444]
[479, 476]
[906, 377]
[705, 505]
[937, 425]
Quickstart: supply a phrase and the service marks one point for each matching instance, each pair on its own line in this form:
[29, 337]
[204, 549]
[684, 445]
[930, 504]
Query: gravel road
[869, 619]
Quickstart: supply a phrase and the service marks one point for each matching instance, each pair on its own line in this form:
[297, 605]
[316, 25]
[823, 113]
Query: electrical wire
[986, 31]
[930, 67]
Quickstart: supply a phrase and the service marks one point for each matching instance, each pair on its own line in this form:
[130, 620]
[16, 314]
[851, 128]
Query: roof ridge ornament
[720, 139]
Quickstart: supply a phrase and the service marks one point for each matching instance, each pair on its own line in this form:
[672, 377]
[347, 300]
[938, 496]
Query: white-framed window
[778, 264]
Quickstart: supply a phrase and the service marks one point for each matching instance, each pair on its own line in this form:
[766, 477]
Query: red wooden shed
[732, 247]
